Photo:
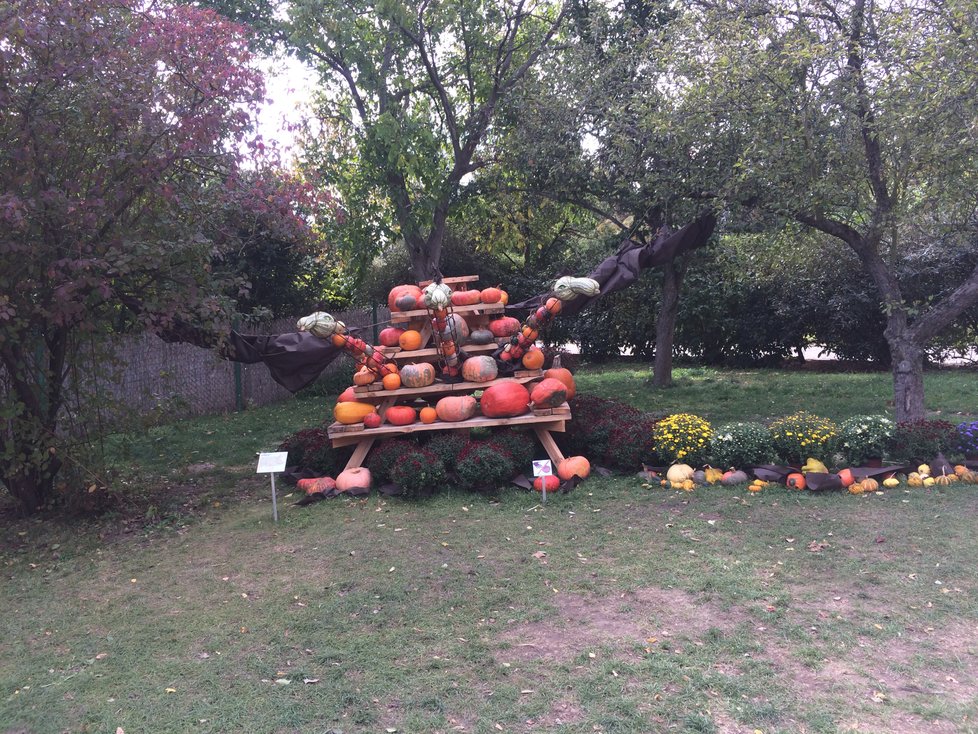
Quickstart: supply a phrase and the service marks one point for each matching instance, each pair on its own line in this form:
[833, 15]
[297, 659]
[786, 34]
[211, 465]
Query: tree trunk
[32, 487]
[425, 256]
[908, 377]
[665, 324]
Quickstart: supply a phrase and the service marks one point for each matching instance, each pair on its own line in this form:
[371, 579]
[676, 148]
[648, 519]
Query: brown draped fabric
[623, 268]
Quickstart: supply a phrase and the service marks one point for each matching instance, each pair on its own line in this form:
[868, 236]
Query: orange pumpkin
[401, 415]
[316, 485]
[356, 478]
[554, 305]
[395, 299]
[392, 381]
[564, 375]
[846, 477]
[795, 481]
[372, 420]
[491, 295]
[479, 369]
[410, 340]
[428, 414]
[506, 326]
[869, 484]
[390, 337]
[347, 396]
[573, 466]
[456, 408]
[363, 376]
[505, 400]
[549, 481]
[503, 297]
[533, 359]
[548, 393]
[417, 375]
[466, 298]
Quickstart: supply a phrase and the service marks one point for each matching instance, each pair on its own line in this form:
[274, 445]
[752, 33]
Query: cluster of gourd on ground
[938, 473]
[513, 345]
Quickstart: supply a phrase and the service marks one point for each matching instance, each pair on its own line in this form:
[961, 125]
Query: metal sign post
[543, 469]
[272, 463]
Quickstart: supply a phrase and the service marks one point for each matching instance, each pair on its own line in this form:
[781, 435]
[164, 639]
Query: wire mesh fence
[181, 380]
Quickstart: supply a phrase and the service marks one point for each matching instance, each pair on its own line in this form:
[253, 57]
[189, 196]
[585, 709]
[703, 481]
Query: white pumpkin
[680, 472]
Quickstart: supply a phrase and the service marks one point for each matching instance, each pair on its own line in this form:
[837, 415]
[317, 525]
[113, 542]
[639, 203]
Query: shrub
[629, 442]
[741, 444]
[922, 440]
[801, 435]
[447, 445]
[311, 449]
[384, 458]
[484, 463]
[682, 437]
[521, 445]
[419, 472]
[968, 438]
[592, 423]
[865, 436]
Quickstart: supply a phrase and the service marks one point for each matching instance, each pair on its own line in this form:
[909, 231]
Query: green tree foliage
[120, 126]
[410, 95]
[852, 119]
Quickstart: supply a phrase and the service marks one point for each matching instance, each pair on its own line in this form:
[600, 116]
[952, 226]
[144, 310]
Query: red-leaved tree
[122, 125]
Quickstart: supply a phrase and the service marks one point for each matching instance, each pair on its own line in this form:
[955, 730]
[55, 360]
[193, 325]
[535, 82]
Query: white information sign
[272, 463]
[542, 468]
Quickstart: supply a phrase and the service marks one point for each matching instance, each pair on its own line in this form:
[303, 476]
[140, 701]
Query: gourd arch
[295, 359]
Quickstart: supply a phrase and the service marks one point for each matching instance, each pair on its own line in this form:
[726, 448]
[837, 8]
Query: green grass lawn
[617, 608]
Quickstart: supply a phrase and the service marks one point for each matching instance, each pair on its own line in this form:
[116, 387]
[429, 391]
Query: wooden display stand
[543, 422]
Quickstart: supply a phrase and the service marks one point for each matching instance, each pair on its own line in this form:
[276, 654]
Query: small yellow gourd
[713, 476]
[869, 484]
[352, 412]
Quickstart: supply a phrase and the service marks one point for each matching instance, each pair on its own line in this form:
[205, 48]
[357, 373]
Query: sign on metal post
[272, 463]
[544, 469]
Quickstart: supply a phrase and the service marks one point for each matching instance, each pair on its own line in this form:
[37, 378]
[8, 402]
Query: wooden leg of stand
[360, 453]
[550, 445]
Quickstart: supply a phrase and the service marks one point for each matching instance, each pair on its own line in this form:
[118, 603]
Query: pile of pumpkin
[501, 400]
[942, 474]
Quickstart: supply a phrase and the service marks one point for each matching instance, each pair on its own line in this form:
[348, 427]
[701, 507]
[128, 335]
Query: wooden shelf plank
[452, 281]
[440, 388]
[546, 423]
[478, 308]
[424, 354]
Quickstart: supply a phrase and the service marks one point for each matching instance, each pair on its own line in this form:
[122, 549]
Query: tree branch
[943, 313]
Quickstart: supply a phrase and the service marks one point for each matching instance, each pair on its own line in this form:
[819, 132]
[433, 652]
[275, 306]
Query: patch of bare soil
[626, 621]
[887, 678]
[562, 712]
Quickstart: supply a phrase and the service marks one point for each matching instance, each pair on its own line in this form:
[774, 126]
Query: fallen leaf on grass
[310, 681]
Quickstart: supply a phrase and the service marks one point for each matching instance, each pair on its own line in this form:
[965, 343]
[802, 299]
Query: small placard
[542, 468]
[272, 463]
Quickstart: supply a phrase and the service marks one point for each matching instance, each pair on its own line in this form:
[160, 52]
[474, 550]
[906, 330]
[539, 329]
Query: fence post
[238, 390]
